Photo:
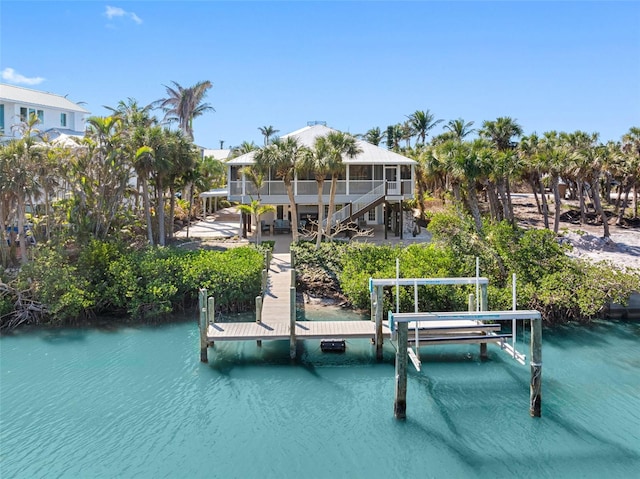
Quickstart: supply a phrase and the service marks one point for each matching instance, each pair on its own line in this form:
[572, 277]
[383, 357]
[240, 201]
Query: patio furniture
[281, 226]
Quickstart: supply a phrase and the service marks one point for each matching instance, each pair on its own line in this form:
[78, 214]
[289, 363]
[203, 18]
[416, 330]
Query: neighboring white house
[372, 188]
[217, 154]
[57, 115]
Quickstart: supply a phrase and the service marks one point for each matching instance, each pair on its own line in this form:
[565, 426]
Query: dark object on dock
[333, 345]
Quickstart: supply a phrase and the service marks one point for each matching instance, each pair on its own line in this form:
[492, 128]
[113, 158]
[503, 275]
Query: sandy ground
[622, 248]
[587, 241]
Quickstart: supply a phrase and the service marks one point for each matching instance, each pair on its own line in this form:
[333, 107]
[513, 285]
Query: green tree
[185, 104]
[338, 145]
[281, 158]
[267, 132]
[316, 161]
[256, 210]
[421, 122]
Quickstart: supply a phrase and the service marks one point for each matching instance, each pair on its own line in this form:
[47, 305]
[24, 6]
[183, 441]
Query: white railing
[393, 187]
[358, 205]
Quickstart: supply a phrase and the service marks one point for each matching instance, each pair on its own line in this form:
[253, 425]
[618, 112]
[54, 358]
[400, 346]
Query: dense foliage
[106, 277]
[562, 288]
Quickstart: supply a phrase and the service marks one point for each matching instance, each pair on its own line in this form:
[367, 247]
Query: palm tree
[316, 161]
[459, 129]
[373, 136]
[500, 133]
[339, 144]
[245, 147]
[421, 122]
[281, 158]
[268, 132]
[630, 170]
[256, 210]
[185, 104]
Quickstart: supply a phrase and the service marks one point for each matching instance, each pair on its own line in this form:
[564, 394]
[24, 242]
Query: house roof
[218, 154]
[371, 154]
[17, 94]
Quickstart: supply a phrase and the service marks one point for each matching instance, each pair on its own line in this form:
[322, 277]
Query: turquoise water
[136, 402]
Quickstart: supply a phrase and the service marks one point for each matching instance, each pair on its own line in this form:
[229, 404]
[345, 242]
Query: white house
[371, 190]
[57, 115]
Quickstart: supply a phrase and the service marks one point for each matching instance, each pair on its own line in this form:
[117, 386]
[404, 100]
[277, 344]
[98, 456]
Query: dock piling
[535, 391]
[259, 314]
[202, 323]
[400, 403]
[211, 312]
[292, 340]
[378, 317]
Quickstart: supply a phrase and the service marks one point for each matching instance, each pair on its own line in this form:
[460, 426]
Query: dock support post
[211, 312]
[535, 391]
[400, 404]
[202, 323]
[483, 307]
[263, 285]
[259, 314]
[379, 305]
[293, 278]
[292, 323]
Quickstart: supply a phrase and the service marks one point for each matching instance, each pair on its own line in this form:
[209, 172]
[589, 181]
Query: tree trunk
[21, 232]
[623, 204]
[556, 198]
[160, 200]
[147, 209]
[583, 216]
[332, 197]
[321, 216]
[545, 205]
[472, 201]
[504, 203]
[598, 206]
[635, 200]
[294, 211]
[509, 202]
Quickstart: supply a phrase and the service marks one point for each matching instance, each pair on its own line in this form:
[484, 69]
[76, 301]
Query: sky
[550, 65]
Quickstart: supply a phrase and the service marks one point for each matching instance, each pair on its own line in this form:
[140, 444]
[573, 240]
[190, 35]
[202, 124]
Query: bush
[107, 277]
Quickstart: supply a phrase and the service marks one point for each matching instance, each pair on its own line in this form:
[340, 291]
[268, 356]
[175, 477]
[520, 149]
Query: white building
[57, 115]
[371, 189]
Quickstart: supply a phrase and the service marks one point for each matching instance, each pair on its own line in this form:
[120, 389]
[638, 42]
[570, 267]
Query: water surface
[136, 402]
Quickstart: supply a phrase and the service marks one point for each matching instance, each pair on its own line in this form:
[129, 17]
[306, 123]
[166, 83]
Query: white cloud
[13, 76]
[113, 12]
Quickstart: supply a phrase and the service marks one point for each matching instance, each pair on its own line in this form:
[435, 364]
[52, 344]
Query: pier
[276, 320]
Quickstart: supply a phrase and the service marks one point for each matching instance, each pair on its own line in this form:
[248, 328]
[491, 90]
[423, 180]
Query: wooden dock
[277, 318]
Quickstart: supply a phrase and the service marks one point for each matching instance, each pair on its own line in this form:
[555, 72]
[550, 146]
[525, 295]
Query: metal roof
[17, 94]
[371, 154]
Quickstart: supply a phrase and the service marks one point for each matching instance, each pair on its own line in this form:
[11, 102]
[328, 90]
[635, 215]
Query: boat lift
[474, 326]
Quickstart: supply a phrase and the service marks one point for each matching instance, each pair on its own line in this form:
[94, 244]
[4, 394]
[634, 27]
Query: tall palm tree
[630, 170]
[339, 145]
[316, 161]
[268, 132]
[421, 122]
[281, 158]
[501, 133]
[459, 128]
[185, 104]
[373, 136]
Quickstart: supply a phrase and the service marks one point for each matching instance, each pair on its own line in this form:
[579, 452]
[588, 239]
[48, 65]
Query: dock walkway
[276, 316]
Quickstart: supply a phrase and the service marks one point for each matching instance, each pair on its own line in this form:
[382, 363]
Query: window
[63, 119]
[360, 172]
[25, 114]
[1, 118]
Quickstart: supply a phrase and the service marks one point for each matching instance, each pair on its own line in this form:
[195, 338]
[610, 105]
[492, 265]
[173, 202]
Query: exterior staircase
[359, 207]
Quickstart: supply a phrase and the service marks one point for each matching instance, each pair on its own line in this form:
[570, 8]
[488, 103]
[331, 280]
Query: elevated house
[370, 191]
[58, 115]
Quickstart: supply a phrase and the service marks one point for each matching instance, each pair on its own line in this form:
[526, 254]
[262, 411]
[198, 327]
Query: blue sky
[356, 65]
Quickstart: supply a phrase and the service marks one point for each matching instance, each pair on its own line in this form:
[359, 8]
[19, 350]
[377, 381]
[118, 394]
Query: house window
[405, 172]
[1, 118]
[63, 119]
[25, 114]
[360, 172]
